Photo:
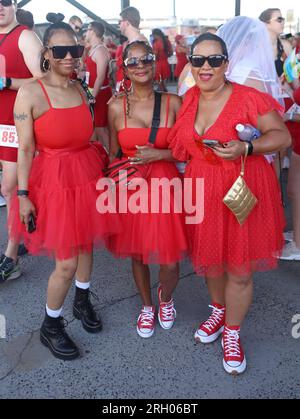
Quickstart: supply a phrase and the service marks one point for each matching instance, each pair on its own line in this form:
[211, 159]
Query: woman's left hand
[145, 155]
[231, 151]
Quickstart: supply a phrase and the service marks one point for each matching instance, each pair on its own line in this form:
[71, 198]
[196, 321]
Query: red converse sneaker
[146, 322]
[210, 330]
[234, 359]
[166, 313]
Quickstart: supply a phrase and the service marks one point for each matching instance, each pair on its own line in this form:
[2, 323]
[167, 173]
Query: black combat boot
[83, 310]
[54, 336]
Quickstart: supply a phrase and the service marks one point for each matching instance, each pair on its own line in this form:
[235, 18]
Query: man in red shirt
[19, 62]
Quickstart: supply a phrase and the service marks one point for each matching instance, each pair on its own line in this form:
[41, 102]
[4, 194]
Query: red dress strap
[168, 110]
[125, 111]
[45, 93]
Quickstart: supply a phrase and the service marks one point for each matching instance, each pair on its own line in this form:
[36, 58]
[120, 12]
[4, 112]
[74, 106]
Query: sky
[186, 9]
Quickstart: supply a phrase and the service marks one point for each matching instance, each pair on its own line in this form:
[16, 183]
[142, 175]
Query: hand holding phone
[31, 224]
[212, 143]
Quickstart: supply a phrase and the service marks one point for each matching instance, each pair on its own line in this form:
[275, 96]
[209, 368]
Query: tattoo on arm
[20, 116]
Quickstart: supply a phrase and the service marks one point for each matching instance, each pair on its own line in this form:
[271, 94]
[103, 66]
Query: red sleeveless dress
[181, 62]
[150, 237]
[163, 71]
[103, 97]
[15, 68]
[62, 186]
[219, 244]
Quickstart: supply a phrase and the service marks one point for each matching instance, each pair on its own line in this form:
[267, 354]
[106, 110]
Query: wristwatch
[22, 193]
[8, 82]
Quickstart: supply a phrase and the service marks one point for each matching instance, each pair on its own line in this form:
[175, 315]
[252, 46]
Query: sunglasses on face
[214, 61]
[6, 3]
[60, 52]
[134, 62]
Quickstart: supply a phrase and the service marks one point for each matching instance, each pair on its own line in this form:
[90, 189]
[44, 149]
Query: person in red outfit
[181, 54]
[224, 252]
[129, 27]
[162, 52]
[292, 249]
[19, 62]
[148, 237]
[56, 213]
[97, 62]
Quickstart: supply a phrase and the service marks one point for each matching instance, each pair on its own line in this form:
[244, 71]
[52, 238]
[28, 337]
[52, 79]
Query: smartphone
[212, 143]
[31, 224]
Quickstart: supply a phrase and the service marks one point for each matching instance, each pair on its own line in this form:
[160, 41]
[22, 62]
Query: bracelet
[250, 148]
[22, 193]
[8, 83]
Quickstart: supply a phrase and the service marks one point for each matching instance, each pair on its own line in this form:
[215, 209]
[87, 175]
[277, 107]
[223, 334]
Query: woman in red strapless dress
[148, 237]
[224, 252]
[57, 187]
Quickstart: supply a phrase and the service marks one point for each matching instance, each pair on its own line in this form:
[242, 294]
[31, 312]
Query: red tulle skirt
[153, 238]
[63, 190]
[219, 244]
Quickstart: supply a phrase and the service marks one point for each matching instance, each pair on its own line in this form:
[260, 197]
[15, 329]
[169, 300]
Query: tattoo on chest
[20, 116]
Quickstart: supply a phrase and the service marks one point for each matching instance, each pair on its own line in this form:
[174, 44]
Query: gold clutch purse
[240, 200]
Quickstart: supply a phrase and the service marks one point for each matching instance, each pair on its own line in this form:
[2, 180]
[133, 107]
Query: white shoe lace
[215, 318]
[231, 343]
[146, 319]
[168, 311]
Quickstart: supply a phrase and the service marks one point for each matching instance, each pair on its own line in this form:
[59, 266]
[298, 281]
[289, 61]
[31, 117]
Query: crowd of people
[65, 129]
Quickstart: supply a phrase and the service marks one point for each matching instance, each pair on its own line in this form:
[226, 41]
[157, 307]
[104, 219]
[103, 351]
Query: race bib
[8, 136]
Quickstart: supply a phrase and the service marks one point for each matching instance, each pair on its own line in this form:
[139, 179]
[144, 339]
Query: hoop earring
[46, 65]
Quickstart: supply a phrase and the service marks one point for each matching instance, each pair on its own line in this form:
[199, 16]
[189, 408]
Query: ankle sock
[54, 314]
[82, 285]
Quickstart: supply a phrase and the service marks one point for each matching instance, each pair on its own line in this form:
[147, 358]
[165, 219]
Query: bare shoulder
[116, 102]
[175, 100]
[30, 36]
[30, 91]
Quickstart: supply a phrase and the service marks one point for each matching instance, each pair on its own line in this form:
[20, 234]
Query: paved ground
[119, 364]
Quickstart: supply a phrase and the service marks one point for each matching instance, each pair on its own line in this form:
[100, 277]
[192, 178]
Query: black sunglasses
[6, 3]
[60, 52]
[214, 61]
[133, 62]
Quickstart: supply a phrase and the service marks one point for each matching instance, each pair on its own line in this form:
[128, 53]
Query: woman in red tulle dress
[148, 236]
[162, 51]
[224, 252]
[57, 188]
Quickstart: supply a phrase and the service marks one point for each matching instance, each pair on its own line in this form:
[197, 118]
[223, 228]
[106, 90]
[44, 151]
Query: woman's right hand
[26, 209]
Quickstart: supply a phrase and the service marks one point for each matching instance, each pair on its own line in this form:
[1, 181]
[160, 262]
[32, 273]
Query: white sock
[83, 285]
[55, 314]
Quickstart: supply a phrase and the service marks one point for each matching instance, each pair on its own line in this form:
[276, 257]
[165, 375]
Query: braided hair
[148, 49]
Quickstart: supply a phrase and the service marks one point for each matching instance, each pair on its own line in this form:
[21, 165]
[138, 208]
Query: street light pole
[124, 4]
[237, 7]
[174, 9]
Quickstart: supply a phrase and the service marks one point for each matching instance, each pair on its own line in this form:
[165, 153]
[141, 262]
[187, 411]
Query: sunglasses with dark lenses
[60, 52]
[6, 3]
[135, 61]
[280, 19]
[214, 61]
